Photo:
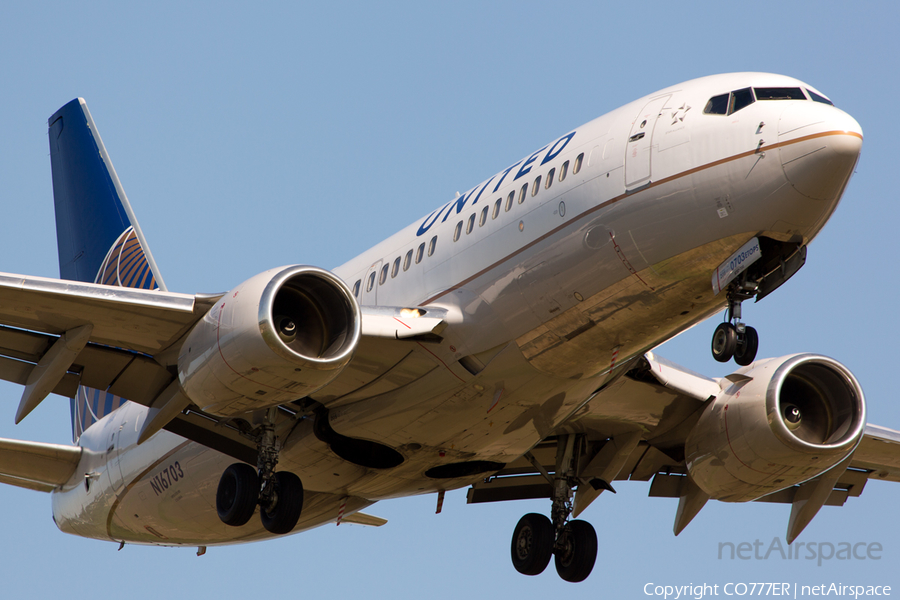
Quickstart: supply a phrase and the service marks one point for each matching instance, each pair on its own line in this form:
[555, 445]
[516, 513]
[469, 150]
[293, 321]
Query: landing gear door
[640, 143]
[369, 293]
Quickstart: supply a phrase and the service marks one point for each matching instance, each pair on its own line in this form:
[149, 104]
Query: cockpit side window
[726, 104]
[717, 105]
[819, 98]
[779, 93]
[740, 99]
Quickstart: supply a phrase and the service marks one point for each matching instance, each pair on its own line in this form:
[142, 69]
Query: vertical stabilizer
[98, 237]
[95, 226]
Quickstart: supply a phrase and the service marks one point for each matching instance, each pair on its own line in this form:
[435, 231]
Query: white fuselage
[549, 291]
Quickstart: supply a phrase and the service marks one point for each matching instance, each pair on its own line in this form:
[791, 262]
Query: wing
[635, 428]
[879, 453]
[132, 347]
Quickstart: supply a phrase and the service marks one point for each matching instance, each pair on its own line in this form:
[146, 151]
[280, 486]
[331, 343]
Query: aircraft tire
[283, 517]
[724, 342]
[532, 544]
[747, 346]
[579, 551]
[237, 494]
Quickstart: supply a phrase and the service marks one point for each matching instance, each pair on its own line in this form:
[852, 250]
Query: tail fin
[95, 226]
[98, 237]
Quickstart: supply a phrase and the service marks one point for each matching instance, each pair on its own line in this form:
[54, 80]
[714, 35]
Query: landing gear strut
[536, 538]
[733, 338]
[279, 495]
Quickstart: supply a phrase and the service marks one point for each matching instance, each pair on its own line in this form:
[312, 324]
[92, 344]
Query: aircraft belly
[496, 416]
[636, 313]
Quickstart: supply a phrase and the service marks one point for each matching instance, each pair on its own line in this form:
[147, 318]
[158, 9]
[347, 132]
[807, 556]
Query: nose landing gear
[279, 495]
[536, 538]
[734, 339]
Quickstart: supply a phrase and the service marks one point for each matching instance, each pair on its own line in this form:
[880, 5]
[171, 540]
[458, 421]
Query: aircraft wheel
[747, 346]
[575, 560]
[237, 494]
[532, 544]
[724, 342]
[283, 516]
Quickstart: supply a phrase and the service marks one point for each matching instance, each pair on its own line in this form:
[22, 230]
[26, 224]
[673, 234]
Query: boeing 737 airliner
[504, 342]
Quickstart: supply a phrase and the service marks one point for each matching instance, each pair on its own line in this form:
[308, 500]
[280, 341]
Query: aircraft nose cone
[819, 147]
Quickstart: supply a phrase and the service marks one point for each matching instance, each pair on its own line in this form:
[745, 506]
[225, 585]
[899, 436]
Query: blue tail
[98, 237]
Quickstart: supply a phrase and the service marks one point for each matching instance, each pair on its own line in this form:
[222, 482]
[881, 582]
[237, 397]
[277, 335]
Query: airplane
[504, 342]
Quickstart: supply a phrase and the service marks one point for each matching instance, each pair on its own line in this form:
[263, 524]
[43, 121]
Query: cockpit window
[717, 105]
[779, 93]
[727, 104]
[740, 99]
[819, 98]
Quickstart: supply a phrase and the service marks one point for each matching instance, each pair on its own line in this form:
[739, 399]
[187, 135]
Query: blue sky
[249, 137]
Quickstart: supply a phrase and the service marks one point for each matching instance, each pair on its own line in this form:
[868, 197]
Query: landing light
[411, 313]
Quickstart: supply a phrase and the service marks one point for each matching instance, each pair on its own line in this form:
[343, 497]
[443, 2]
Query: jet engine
[277, 337]
[782, 421]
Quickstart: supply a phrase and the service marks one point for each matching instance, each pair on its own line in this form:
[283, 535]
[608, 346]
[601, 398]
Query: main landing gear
[733, 338]
[279, 495]
[536, 538]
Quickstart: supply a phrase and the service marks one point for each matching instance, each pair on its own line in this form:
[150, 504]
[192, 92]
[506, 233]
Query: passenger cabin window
[509, 200]
[563, 169]
[483, 218]
[577, 166]
[432, 245]
[537, 186]
[456, 232]
[356, 288]
[407, 261]
[371, 282]
[471, 224]
[773, 93]
[383, 277]
[496, 208]
[420, 252]
[819, 98]
[550, 179]
[522, 193]
[396, 268]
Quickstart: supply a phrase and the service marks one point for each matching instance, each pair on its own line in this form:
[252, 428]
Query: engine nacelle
[780, 422]
[277, 337]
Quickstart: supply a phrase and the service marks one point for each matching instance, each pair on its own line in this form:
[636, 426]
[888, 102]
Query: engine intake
[277, 337]
[779, 423]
